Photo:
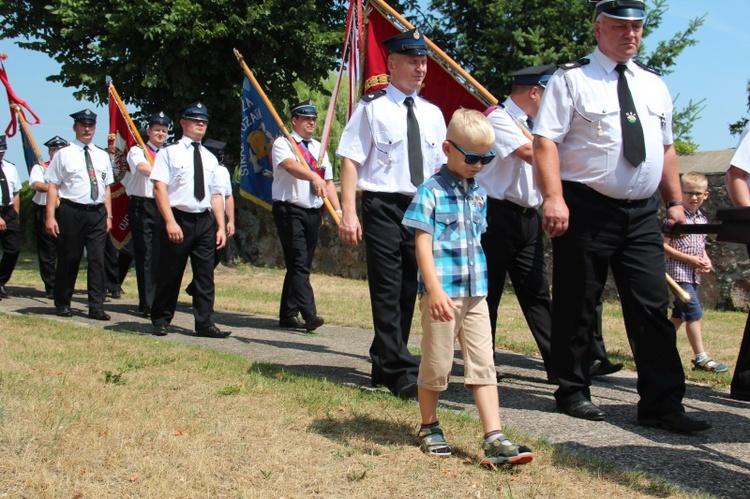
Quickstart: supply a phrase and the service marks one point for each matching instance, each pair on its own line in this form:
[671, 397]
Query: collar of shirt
[297, 137]
[187, 142]
[609, 64]
[398, 96]
[515, 112]
[455, 181]
[80, 145]
[152, 146]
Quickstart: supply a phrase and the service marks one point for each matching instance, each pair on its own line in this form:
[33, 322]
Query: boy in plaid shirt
[686, 261]
[448, 217]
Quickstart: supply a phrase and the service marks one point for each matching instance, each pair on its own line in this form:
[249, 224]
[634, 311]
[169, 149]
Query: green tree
[164, 54]
[506, 35]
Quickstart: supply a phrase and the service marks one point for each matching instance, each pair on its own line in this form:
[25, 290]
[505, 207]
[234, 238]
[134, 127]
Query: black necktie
[5, 200]
[530, 123]
[92, 174]
[306, 143]
[199, 190]
[414, 144]
[633, 145]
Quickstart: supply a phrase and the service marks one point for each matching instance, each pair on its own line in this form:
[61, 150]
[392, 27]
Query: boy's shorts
[690, 311]
[471, 328]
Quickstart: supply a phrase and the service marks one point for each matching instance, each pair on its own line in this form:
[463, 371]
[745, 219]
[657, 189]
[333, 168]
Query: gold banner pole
[128, 120]
[25, 127]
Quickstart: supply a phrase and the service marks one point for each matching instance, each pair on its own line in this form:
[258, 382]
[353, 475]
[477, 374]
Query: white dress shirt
[174, 167]
[508, 176]
[13, 180]
[375, 138]
[289, 188]
[37, 175]
[68, 171]
[590, 146]
[139, 184]
[741, 158]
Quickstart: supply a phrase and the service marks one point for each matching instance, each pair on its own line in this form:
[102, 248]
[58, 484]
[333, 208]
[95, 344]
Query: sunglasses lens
[486, 159]
[472, 159]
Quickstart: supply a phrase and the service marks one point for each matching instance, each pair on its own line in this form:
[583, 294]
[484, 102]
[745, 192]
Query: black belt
[589, 192]
[185, 214]
[393, 197]
[523, 210]
[142, 199]
[82, 207]
[287, 203]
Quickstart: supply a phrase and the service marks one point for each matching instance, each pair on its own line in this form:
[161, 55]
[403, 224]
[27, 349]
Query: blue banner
[28, 150]
[258, 132]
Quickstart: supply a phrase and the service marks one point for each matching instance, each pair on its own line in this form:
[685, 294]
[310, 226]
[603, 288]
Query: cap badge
[199, 105]
[416, 34]
[161, 114]
[87, 111]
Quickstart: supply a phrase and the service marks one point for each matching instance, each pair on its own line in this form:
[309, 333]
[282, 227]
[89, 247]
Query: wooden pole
[280, 123]
[445, 57]
[25, 127]
[683, 295]
[128, 120]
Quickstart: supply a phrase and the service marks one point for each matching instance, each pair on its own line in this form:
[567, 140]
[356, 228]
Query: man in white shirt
[10, 227]
[79, 175]
[603, 147]
[299, 186]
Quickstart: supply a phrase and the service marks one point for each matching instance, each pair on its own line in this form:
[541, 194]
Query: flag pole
[128, 120]
[439, 52]
[25, 127]
[279, 122]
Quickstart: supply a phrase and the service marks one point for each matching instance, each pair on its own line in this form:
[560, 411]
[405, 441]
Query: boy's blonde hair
[471, 125]
[694, 178]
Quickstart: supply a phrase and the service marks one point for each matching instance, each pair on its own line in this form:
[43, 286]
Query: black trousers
[741, 380]
[199, 244]
[392, 278]
[604, 233]
[10, 239]
[514, 245]
[298, 231]
[116, 264]
[46, 248]
[145, 228]
[81, 226]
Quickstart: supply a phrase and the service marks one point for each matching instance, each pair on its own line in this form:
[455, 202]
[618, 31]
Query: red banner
[440, 85]
[14, 101]
[119, 142]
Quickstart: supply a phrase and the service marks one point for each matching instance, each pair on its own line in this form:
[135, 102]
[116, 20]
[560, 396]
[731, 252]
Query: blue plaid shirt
[456, 220]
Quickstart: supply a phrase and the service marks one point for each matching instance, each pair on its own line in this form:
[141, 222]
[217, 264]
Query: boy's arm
[441, 305]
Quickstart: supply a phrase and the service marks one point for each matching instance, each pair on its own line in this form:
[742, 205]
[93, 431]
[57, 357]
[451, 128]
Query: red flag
[13, 99]
[442, 86]
[119, 142]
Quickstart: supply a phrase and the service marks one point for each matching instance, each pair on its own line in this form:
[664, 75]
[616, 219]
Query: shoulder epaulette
[170, 144]
[575, 64]
[427, 100]
[103, 149]
[646, 68]
[375, 95]
[9, 162]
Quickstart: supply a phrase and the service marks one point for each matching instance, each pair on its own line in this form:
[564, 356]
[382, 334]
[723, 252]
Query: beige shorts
[471, 328]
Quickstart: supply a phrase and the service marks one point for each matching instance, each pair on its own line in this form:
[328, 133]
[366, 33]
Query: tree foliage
[162, 55]
[739, 125]
[493, 38]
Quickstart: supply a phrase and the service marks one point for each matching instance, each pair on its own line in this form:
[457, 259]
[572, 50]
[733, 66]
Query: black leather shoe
[115, 294]
[160, 330]
[190, 288]
[313, 323]
[678, 422]
[407, 391]
[49, 295]
[291, 323]
[606, 368]
[99, 315]
[4, 293]
[583, 409]
[145, 312]
[64, 311]
[739, 395]
[595, 365]
[212, 332]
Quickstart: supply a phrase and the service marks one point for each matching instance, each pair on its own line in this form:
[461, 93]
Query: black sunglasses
[470, 158]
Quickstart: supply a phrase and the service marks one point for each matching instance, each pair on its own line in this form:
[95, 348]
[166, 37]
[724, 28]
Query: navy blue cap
[85, 116]
[627, 10]
[305, 109]
[159, 119]
[3, 143]
[194, 111]
[534, 75]
[409, 42]
[56, 142]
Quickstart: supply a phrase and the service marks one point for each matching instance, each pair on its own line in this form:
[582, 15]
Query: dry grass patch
[90, 413]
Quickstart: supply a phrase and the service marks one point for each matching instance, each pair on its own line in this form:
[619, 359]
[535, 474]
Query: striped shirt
[456, 219]
[691, 244]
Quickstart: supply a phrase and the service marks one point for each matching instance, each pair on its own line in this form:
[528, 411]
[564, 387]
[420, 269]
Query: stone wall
[256, 242]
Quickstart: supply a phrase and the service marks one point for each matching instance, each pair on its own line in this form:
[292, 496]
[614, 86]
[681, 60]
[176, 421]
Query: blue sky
[716, 69]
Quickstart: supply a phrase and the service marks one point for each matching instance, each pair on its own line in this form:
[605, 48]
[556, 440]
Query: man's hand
[675, 215]
[318, 185]
[3, 225]
[174, 231]
[221, 239]
[109, 225]
[350, 231]
[230, 228]
[555, 216]
[52, 228]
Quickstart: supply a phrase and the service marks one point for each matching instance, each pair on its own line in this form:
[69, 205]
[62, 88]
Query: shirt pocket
[390, 147]
[431, 145]
[657, 118]
[605, 119]
[72, 171]
[447, 227]
[478, 224]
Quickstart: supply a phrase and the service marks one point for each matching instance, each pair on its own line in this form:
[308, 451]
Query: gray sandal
[433, 442]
